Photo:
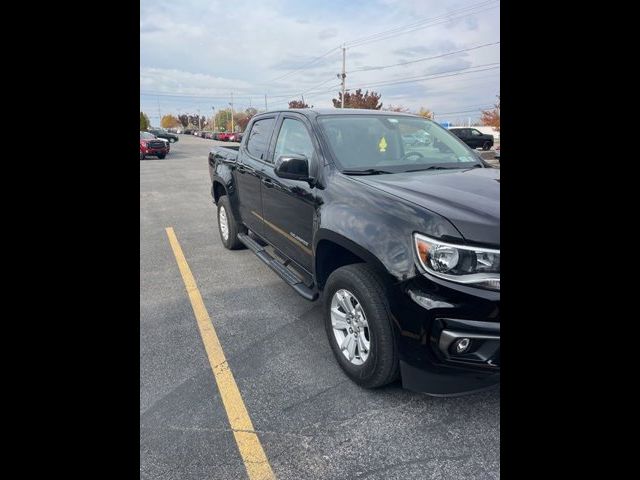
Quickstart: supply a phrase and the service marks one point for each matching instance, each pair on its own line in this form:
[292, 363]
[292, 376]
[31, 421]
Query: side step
[287, 275]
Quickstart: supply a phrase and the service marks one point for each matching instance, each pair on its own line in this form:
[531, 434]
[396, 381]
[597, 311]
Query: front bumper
[432, 321]
[155, 151]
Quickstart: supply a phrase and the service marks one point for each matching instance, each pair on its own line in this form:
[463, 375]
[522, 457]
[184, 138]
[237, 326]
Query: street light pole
[214, 118]
[231, 111]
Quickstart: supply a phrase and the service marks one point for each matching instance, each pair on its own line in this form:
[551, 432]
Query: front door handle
[241, 169]
[268, 182]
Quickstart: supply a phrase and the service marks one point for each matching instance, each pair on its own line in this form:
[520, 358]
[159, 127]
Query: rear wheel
[227, 225]
[358, 325]
[486, 146]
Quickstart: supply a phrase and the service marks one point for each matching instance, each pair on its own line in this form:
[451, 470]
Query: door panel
[248, 177]
[250, 170]
[288, 205]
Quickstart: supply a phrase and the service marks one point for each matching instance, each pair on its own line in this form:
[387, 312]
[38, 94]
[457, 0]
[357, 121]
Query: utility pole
[214, 118]
[343, 75]
[231, 111]
[265, 102]
[302, 95]
[159, 115]
[199, 122]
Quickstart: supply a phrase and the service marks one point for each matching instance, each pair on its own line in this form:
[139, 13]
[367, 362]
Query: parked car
[402, 240]
[235, 137]
[161, 133]
[224, 136]
[473, 137]
[150, 145]
[188, 131]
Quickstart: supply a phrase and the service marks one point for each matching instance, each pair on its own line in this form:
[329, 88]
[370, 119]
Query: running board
[287, 275]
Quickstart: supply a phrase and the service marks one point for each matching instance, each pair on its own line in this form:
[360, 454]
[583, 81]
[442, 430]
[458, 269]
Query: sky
[195, 53]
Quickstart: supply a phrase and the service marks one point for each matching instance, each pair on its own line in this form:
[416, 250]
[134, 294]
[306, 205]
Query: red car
[224, 136]
[152, 145]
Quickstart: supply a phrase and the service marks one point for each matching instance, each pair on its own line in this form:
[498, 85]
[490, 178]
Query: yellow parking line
[253, 456]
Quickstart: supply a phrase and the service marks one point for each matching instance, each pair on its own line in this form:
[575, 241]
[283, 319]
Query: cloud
[435, 48]
[205, 47]
[327, 33]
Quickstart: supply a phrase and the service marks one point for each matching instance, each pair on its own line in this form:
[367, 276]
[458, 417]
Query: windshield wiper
[368, 171]
[432, 167]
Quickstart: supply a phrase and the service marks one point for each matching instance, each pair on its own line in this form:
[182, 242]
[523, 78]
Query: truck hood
[469, 199]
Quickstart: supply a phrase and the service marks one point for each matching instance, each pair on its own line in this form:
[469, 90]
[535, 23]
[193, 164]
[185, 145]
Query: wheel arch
[333, 251]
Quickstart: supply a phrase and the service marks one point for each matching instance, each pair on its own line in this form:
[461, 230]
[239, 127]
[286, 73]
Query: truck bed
[229, 153]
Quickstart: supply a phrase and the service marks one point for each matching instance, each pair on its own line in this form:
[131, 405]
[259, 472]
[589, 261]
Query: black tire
[381, 366]
[142, 157]
[486, 146]
[232, 242]
[161, 157]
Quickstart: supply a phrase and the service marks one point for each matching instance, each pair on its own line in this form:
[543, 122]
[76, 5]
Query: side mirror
[293, 167]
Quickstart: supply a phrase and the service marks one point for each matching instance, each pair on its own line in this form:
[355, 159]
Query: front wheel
[141, 155]
[359, 327]
[161, 157]
[227, 225]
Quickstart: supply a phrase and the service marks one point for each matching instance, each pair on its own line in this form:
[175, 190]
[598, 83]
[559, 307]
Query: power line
[451, 73]
[418, 22]
[465, 111]
[424, 23]
[303, 67]
[366, 69]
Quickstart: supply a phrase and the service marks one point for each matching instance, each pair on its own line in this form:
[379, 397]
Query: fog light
[462, 345]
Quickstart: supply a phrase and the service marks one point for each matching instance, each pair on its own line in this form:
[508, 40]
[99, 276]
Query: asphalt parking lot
[311, 420]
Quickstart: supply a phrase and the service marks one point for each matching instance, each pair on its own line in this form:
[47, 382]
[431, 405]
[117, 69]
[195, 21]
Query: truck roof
[313, 112]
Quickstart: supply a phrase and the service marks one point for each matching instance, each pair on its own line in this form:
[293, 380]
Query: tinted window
[293, 139]
[258, 142]
[475, 132]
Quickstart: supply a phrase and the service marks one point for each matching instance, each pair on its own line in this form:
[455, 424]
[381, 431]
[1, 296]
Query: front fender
[377, 226]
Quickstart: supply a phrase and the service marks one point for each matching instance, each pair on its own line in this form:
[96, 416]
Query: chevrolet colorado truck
[400, 239]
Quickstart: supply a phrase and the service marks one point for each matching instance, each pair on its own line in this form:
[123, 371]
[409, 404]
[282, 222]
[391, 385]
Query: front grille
[156, 144]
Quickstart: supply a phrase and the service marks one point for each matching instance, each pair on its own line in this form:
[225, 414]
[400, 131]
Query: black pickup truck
[401, 238]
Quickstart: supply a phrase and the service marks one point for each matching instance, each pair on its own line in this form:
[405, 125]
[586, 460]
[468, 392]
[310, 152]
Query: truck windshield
[393, 143]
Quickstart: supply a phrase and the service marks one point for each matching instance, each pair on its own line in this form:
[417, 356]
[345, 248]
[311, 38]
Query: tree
[144, 121]
[184, 120]
[399, 108]
[426, 113]
[251, 111]
[223, 119]
[298, 104]
[358, 100]
[196, 121]
[169, 121]
[491, 117]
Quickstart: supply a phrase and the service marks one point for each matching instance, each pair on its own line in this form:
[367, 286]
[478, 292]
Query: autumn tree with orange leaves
[368, 100]
[491, 117]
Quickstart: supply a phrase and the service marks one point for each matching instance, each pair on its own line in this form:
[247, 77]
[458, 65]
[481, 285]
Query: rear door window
[258, 141]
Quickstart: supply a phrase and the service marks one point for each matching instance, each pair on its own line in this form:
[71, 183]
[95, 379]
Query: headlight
[476, 266]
